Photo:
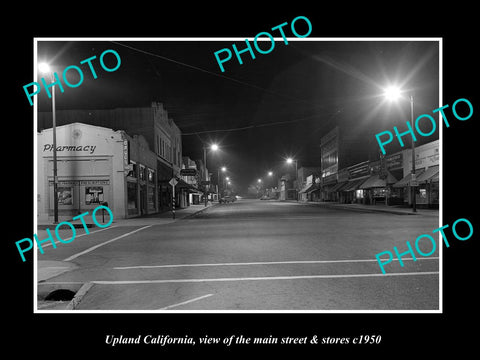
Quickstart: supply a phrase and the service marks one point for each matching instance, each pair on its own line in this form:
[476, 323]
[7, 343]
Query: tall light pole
[213, 147]
[394, 93]
[289, 161]
[45, 69]
[224, 169]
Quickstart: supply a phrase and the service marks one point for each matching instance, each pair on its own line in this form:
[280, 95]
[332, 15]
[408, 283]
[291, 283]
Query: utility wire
[215, 74]
[257, 125]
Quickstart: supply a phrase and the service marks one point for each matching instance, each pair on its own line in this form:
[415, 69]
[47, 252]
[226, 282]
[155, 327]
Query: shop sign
[72, 148]
[126, 155]
[81, 182]
[394, 161]
[188, 172]
[359, 170]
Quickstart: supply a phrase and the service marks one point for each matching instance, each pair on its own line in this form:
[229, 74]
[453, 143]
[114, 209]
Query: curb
[79, 296]
[189, 216]
[367, 210]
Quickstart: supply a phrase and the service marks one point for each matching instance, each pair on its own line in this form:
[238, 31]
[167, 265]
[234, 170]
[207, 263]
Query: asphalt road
[251, 255]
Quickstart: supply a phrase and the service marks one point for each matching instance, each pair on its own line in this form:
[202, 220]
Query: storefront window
[93, 195]
[65, 195]
[434, 196]
[151, 175]
[151, 198]
[133, 171]
[423, 193]
[359, 194]
[132, 195]
[142, 172]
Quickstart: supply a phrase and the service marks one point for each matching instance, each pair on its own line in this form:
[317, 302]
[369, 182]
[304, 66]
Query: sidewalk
[392, 209]
[165, 217]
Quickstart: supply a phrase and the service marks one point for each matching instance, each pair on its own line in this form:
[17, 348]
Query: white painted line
[263, 263]
[133, 282]
[185, 302]
[104, 243]
[91, 232]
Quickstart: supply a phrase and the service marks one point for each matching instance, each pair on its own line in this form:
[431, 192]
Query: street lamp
[270, 173]
[289, 161]
[393, 93]
[224, 169]
[213, 147]
[46, 70]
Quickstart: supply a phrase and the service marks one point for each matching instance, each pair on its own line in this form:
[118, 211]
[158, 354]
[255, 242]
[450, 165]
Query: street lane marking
[70, 258]
[303, 277]
[262, 263]
[185, 302]
[77, 236]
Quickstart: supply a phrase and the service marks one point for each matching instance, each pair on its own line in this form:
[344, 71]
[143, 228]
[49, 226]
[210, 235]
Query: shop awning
[406, 180]
[306, 188]
[375, 181]
[428, 174]
[339, 186]
[354, 184]
[315, 187]
[328, 187]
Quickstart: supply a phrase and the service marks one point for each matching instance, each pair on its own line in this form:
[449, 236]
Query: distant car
[227, 199]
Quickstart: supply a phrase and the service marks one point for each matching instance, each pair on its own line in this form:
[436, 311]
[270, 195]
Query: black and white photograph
[259, 188]
[240, 180]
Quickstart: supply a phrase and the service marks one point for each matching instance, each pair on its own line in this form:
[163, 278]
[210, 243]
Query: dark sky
[277, 105]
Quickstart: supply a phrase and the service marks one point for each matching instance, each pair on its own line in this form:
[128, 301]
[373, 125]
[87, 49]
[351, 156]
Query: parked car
[227, 199]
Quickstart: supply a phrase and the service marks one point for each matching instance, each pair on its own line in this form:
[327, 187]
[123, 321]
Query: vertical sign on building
[127, 167]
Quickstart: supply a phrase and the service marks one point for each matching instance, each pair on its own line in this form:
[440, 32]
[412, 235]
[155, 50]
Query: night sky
[278, 105]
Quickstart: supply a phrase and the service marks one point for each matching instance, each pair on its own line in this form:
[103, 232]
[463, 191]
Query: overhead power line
[215, 74]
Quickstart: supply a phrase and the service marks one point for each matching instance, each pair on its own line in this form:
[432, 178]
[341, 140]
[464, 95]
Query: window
[65, 195]
[131, 195]
[151, 176]
[93, 195]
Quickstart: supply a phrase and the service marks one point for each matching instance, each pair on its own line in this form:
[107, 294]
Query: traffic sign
[188, 172]
[173, 182]
[413, 181]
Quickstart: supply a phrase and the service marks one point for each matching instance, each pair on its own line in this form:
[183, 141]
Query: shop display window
[151, 176]
[65, 194]
[359, 194]
[132, 195]
[93, 195]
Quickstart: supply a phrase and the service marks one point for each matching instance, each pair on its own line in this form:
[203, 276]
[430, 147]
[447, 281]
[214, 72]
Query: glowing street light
[44, 68]
[393, 93]
[270, 173]
[213, 147]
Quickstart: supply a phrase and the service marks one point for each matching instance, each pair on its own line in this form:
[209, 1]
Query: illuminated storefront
[96, 165]
[427, 162]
